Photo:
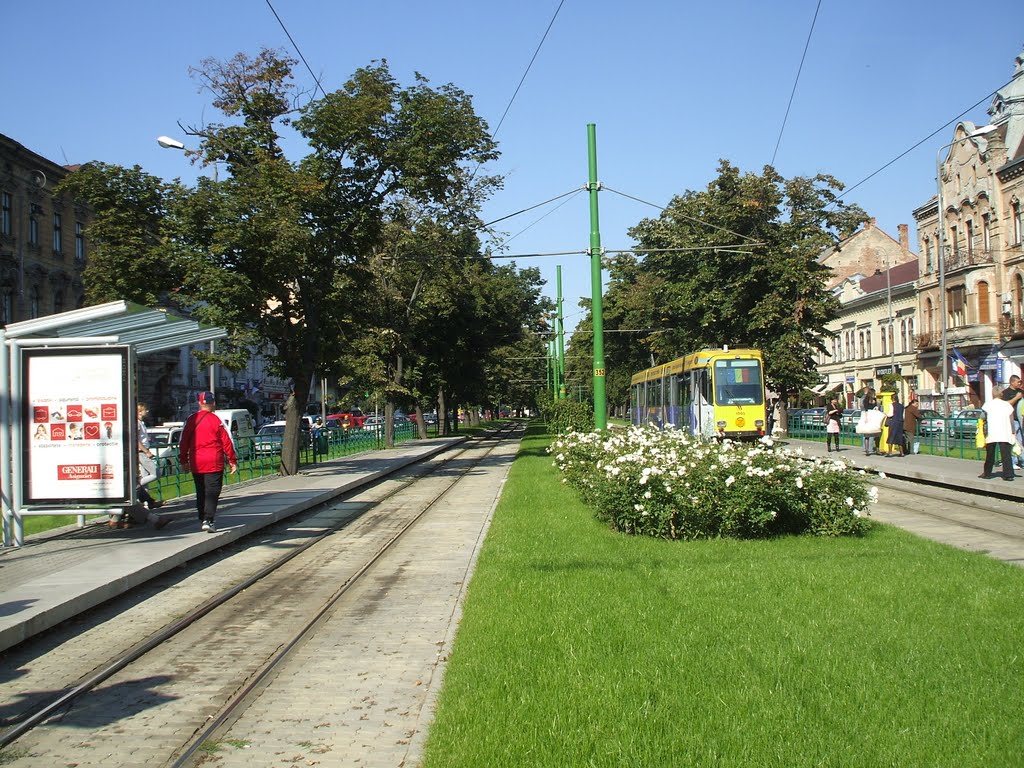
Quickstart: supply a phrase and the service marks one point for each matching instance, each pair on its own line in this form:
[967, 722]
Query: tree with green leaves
[284, 246]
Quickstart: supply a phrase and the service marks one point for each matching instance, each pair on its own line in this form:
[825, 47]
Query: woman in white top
[998, 427]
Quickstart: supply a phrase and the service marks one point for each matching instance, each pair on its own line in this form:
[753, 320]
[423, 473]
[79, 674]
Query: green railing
[943, 437]
[172, 483]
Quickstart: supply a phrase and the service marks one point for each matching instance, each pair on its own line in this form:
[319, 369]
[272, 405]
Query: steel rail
[33, 718]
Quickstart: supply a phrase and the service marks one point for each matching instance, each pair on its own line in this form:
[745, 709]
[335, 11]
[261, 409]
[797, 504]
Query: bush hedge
[669, 484]
[566, 416]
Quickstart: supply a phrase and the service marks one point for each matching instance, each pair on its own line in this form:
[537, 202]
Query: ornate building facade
[971, 288]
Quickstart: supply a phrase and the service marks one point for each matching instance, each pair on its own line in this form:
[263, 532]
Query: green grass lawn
[582, 647]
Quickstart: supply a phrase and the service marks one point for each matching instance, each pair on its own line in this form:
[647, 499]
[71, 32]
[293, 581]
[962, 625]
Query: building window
[867, 337]
[954, 242]
[927, 254]
[910, 335]
[860, 353]
[79, 241]
[955, 303]
[1018, 225]
[33, 224]
[7, 306]
[986, 232]
[6, 225]
[33, 302]
[885, 348]
[970, 239]
[984, 313]
[892, 339]
[58, 234]
[929, 313]
[58, 301]
[1018, 296]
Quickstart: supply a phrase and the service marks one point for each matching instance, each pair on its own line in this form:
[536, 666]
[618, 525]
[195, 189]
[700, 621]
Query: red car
[354, 419]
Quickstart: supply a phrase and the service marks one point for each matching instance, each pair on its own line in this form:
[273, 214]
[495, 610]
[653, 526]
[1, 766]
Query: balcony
[926, 340]
[964, 260]
[1011, 327]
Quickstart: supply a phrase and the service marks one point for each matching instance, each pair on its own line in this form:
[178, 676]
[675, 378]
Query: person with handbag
[833, 422]
[870, 427]
[911, 416]
[998, 430]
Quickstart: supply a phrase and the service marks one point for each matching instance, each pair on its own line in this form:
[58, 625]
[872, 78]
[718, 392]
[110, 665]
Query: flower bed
[672, 485]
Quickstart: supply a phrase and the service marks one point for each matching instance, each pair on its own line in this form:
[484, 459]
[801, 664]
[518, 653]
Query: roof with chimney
[866, 251]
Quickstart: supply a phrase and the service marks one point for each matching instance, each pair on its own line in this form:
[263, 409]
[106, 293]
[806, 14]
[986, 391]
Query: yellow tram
[713, 393]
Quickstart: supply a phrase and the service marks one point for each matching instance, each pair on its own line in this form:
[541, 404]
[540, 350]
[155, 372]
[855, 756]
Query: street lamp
[168, 143]
[942, 263]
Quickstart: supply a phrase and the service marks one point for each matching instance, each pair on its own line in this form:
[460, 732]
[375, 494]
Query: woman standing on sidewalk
[895, 417]
[834, 418]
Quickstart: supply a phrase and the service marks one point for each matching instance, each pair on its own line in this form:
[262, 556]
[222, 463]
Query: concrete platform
[55, 577]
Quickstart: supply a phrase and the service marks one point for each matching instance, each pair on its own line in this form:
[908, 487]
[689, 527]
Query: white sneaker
[209, 527]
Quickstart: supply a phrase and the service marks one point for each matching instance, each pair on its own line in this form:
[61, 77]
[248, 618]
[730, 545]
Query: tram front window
[738, 382]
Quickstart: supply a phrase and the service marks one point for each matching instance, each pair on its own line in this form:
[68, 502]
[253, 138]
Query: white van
[163, 441]
[238, 423]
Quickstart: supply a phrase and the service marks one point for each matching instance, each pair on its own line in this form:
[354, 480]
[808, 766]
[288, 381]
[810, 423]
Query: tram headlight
[720, 424]
[759, 423]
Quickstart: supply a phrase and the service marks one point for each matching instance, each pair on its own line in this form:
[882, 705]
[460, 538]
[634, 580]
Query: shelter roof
[146, 329]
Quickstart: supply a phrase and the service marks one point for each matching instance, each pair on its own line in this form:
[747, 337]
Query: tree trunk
[389, 423]
[442, 414]
[289, 464]
[421, 427]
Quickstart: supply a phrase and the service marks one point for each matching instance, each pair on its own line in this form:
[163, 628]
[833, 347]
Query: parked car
[851, 417]
[931, 423]
[163, 441]
[807, 419]
[269, 439]
[374, 424]
[964, 424]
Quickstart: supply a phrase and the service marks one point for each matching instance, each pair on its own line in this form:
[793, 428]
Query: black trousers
[1004, 454]
[208, 485]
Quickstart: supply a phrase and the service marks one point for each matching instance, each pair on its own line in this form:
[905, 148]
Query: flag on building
[959, 363]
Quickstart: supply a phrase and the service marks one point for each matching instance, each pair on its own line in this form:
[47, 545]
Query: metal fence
[330, 444]
[941, 437]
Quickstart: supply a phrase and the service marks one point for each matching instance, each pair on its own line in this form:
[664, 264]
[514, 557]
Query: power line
[676, 213]
[540, 219]
[903, 154]
[538, 205]
[296, 47]
[528, 67]
[800, 69]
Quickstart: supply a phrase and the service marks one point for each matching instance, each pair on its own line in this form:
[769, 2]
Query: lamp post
[940, 241]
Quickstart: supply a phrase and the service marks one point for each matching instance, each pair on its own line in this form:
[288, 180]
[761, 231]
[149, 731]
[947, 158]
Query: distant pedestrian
[911, 416]
[833, 424]
[870, 401]
[894, 417]
[205, 444]
[998, 426]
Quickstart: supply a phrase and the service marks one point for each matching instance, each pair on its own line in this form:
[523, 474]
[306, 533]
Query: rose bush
[672, 485]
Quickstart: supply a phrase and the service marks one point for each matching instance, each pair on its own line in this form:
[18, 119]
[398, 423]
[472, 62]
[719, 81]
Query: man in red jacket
[204, 446]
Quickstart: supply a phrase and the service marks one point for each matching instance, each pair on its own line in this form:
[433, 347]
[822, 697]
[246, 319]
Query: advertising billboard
[76, 425]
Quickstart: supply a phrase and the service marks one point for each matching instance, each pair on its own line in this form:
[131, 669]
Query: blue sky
[671, 85]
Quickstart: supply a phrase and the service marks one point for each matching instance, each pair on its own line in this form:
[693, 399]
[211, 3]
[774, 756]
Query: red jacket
[204, 444]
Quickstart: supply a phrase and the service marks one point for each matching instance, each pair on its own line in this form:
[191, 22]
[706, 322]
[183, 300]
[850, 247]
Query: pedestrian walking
[894, 417]
[911, 417]
[998, 426]
[833, 424]
[205, 445]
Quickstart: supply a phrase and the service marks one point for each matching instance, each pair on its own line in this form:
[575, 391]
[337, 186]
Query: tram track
[381, 523]
[987, 524]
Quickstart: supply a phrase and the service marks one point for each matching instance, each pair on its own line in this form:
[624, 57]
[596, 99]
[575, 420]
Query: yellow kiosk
[885, 405]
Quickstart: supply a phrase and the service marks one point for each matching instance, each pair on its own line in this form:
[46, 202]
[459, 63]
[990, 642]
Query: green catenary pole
[596, 302]
[560, 335]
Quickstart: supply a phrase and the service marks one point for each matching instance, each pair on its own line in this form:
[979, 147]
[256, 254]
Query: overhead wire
[297, 50]
[536, 221]
[792, 93]
[676, 213]
[906, 152]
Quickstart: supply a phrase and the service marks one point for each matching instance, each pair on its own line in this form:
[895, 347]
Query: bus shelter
[68, 428]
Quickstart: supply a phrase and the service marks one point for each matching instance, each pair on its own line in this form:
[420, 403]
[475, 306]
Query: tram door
[702, 416]
[673, 403]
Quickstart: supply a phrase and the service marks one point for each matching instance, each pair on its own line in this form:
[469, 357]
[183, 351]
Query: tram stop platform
[938, 471]
[59, 574]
